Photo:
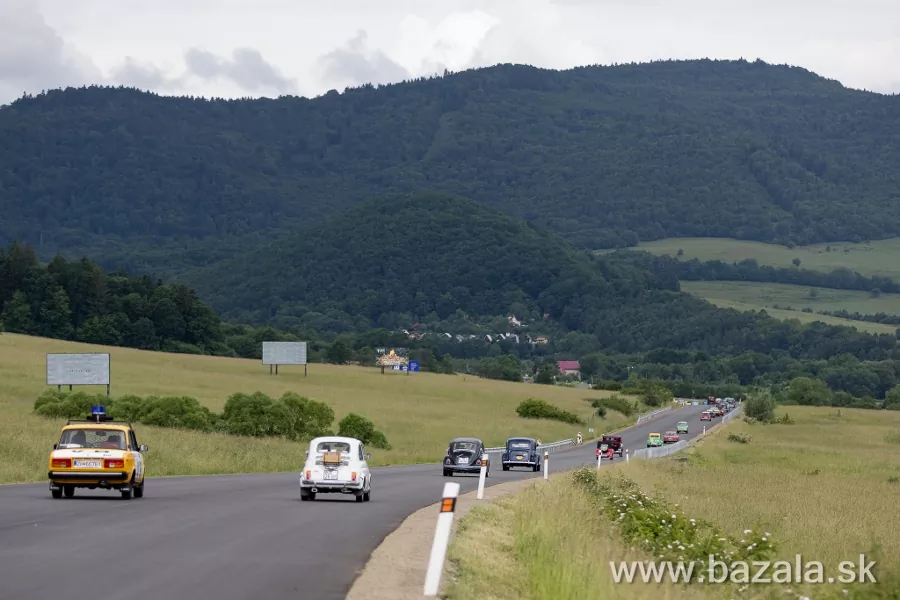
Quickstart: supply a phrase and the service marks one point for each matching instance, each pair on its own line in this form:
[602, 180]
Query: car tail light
[353, 476]
[307, 474]
[62, 463]
[113, 463]
[478, 463]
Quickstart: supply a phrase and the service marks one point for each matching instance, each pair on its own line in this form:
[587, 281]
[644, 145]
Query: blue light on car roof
[98, 410]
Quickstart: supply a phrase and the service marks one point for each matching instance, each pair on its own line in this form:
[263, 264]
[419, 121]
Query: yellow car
[97, 452]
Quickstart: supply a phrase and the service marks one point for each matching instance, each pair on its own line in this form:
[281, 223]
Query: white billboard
[78, 369]
[284, 353]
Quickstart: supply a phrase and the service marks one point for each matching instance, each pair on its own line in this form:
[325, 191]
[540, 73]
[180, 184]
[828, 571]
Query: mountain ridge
[605, 156]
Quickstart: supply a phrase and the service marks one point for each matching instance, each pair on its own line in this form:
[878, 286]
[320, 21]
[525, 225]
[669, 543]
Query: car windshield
[463, 446]
[654, 435]
[111, 439]
[670, 433]
[342, 447]
[520, 444]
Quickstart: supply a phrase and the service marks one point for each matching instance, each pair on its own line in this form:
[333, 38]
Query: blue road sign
[414, 365]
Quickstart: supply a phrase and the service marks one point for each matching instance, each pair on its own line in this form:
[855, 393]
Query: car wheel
[139, 490]
[56, 493]
[359, 497]
[69, 490]
[506, 467]
[126, 494]
[367, 496]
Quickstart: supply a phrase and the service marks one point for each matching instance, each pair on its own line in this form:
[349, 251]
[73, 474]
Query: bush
[292, 416]
[760, 407]
[532, 408]
[601, 411]
[739, 438]
[784, 419]
[361, 428]
[656, 395]
[618, 403]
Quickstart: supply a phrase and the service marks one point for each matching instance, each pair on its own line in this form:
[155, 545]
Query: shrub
[291, 417]
[601, 411]
[532, 408]
[656, 395]
[739, 438]
[618, 403]
[785, 419]
[761, 407]
[361, 428]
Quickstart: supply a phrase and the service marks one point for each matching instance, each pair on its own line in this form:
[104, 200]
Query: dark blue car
[521, 452]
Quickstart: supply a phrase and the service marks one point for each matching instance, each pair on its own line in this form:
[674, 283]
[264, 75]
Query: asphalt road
[227, 537]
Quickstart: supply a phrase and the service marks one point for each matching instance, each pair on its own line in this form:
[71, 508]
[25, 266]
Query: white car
[336, 465]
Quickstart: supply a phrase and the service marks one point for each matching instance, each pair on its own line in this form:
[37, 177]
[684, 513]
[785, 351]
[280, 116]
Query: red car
[705, 416]
[670, 437]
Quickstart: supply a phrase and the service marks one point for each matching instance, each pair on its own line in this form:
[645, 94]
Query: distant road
[228, 537]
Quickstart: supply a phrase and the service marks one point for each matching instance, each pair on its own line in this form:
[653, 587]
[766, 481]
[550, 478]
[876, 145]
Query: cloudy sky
[236, 48]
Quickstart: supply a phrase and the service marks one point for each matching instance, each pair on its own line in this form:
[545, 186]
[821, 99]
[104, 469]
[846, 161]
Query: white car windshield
[519, 444]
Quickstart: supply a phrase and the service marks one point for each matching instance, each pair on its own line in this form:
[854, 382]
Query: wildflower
[673, 516]
[746, 531]
[764, 539]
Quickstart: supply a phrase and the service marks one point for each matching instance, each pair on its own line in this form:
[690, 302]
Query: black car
[521, 452]
[464, 456]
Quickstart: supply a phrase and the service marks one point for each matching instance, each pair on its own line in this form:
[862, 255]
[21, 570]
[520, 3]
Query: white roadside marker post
[481, 476]
[627, 456]
[546, 465]
[704, 430]
[599, 458]
[441, 539]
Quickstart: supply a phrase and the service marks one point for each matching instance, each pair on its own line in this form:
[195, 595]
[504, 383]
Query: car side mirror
[368, 456]
[54, 446]
[143, 448]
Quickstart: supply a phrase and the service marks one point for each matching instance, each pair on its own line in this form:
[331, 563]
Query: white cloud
[270, 47]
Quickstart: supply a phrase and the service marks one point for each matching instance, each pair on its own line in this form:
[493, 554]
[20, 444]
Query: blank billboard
[284, 353]
[78, 369]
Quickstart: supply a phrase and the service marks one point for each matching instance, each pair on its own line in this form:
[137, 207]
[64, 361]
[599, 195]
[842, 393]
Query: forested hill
[395, 260]
[605, 156]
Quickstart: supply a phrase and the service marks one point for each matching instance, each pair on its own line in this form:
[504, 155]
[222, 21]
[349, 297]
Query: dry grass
[547, 542]
[419, 413]
[825, 487]
[870, 258]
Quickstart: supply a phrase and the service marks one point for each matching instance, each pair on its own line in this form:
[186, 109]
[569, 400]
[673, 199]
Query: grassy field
[872, 258]
[827, 500]
[419, 413]
[737, 294]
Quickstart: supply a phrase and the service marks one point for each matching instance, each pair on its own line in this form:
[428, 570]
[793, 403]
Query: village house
[569, 367]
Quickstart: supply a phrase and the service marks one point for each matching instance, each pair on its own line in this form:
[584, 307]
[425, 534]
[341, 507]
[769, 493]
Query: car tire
[139, 490]
[126, 494]
[69, 490]
[506, 467]
[367, 496]
[359, 497]
[446, 473]
[56, 493]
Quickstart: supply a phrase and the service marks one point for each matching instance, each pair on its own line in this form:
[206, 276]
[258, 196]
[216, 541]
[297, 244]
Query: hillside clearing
[796, 297]
[868, 258]
[827, 502]
[805, 317]
[419, 413]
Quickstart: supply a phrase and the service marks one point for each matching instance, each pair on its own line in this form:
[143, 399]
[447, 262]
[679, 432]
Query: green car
[682, 427]
[654, 439]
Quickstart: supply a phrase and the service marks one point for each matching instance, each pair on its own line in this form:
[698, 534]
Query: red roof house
[569, 367]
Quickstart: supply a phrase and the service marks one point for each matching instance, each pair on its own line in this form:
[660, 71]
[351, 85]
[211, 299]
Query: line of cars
[719, 408]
